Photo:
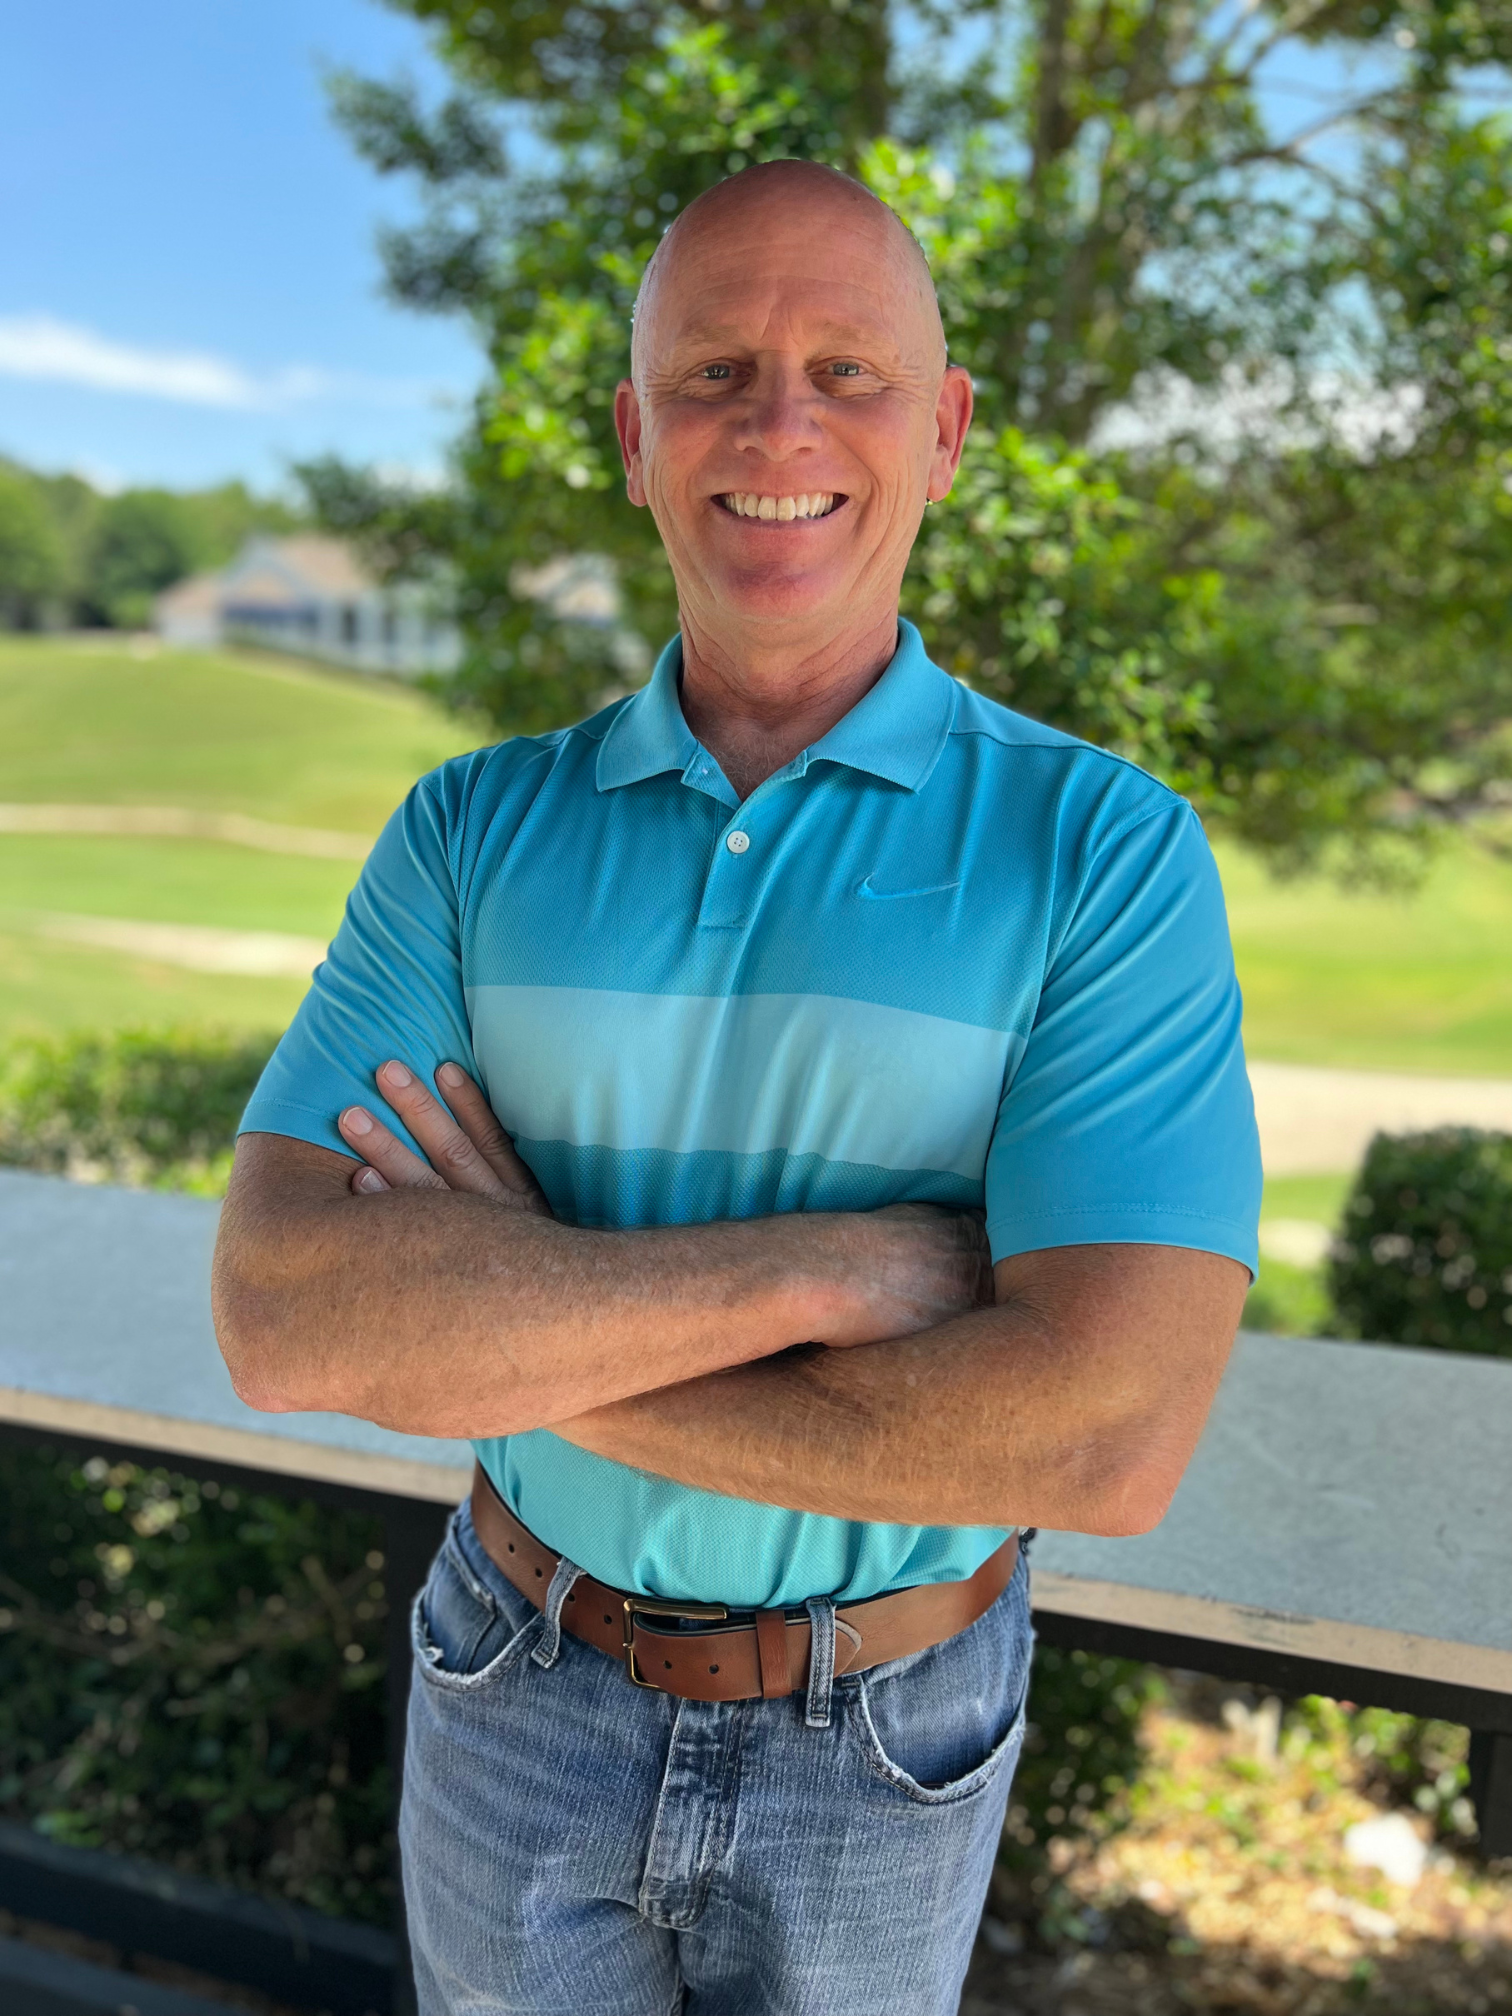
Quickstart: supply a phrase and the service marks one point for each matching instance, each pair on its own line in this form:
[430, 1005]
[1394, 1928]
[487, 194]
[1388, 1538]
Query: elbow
[255, 1333]
[1128, 1495]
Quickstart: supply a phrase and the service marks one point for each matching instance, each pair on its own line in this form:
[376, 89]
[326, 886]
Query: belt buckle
[648, 1606]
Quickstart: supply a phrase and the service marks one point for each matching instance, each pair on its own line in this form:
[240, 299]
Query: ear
[952, 418]
[627, 424]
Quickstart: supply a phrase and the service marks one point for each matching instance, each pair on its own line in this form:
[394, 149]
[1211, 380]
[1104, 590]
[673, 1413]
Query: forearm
[444, 1314]
[900, 1432]
[1044, 1411]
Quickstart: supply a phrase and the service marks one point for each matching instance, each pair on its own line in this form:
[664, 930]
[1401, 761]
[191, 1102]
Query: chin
[761, 598]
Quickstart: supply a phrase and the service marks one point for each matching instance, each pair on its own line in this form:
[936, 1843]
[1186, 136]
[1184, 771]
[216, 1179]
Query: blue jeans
[576, 1846]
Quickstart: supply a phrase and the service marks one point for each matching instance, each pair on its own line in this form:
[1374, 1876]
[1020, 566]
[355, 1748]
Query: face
[791, 410]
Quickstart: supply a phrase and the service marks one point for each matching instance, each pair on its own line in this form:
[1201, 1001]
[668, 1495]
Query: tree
[1284, 590]
[143, 541]
[33, 568]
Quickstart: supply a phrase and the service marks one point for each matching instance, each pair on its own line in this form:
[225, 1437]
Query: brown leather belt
[767, 1656]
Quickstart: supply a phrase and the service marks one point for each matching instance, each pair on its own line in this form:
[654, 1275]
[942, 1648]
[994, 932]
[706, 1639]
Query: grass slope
[1420, 982]
[92, 723]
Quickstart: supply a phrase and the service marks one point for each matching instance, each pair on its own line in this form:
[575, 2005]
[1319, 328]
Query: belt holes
[668, 1664]
[538, 1574]
[713, 1669]
[511, 1546]
[608, 1619]
[572, 1599]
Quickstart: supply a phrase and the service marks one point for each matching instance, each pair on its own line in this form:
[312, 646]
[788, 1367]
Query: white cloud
[40, 347]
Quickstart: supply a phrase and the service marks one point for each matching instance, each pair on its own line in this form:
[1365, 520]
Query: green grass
[1397, 983]
[173, 882]
[1318, 1197]
[47, 987]
[1294, 1300]
[90, 723]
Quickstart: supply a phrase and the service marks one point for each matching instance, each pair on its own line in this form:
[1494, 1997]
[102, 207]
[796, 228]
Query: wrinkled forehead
[788, 264]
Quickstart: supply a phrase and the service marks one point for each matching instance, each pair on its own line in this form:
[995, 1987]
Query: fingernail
[355, 1121]
[369, 1179]
[451, 1074]
[397, 1075]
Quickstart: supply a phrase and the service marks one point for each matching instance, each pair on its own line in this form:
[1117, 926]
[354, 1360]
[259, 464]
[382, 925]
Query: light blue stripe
[743, 1074]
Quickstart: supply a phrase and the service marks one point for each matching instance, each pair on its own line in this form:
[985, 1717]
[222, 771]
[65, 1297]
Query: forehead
[781, 270]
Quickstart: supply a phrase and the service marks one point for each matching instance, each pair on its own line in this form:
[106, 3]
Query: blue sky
[189, 288]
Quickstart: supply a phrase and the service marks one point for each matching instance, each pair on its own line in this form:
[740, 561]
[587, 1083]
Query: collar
[895, 731]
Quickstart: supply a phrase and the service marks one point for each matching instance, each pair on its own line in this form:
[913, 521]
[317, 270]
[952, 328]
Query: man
[777, 977]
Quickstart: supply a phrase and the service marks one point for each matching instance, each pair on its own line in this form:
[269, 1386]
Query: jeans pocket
[469, 1626]
[939, 1727]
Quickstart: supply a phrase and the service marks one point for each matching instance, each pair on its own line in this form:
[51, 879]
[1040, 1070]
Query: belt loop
[821, 1612]
[550, 1648]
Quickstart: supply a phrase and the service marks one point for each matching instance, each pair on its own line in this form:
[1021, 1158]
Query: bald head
[784, 199]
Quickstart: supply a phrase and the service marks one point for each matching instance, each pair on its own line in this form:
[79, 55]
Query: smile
[748, 504]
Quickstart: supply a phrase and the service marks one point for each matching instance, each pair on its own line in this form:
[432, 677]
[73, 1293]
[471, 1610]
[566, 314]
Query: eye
[715, 371]
[845, 370]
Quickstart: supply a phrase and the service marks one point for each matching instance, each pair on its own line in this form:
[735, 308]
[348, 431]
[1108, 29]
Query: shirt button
[737, 842]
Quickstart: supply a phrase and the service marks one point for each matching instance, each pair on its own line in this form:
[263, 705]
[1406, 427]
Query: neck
[755, 707]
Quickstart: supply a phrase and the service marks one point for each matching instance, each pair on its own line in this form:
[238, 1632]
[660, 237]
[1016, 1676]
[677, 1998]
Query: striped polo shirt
[946, 954]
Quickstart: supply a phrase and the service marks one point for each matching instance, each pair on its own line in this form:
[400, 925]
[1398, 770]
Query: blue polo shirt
[946, 954]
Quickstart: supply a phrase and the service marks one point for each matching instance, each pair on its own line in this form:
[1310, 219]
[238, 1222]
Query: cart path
[170, 822]
[1316, 1120]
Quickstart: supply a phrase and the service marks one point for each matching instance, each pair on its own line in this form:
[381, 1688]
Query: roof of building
[199, 595]
[274, 574]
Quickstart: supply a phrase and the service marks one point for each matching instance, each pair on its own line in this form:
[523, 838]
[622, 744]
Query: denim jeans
[574, 1845]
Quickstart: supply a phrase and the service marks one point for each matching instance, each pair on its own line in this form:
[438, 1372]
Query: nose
[779, 415]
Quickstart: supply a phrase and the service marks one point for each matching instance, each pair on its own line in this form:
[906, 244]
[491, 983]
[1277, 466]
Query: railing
[1345, 1527]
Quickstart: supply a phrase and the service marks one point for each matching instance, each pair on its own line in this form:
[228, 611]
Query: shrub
[1398, 1758]
[195, 1675]
[132, 1106]
[1425, 1252]
[1081, 1751]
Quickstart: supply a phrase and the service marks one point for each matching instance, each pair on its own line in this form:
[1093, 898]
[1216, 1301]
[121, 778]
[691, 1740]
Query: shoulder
[1092, 793]
[476, 787]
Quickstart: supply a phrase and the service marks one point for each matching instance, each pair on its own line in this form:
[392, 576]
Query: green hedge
[155, 1107]
[195, 1675]
[1424, 1254]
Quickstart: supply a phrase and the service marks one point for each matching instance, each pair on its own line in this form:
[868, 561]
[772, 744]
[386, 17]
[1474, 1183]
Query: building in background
[310, 595]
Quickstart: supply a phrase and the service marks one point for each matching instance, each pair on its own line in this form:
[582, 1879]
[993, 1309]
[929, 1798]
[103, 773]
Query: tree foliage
[1238, 497]
[32, 558]
[70, 555]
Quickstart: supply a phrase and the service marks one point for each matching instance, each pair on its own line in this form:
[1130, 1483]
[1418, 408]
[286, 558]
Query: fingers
[481, 1125]
[454, 1162]
[464, 1148]
[387, 1158]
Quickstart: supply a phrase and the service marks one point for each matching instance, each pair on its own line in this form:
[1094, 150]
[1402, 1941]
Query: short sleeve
[390, 986]
[1129, 1120]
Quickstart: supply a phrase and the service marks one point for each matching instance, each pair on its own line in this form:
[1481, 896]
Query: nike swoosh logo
[888, 895]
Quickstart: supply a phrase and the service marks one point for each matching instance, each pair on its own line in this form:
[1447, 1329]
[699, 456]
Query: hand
[467, 1148]
[919, 1264]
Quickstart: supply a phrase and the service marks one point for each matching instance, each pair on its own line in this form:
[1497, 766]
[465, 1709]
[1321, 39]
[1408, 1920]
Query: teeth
[746, 504]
